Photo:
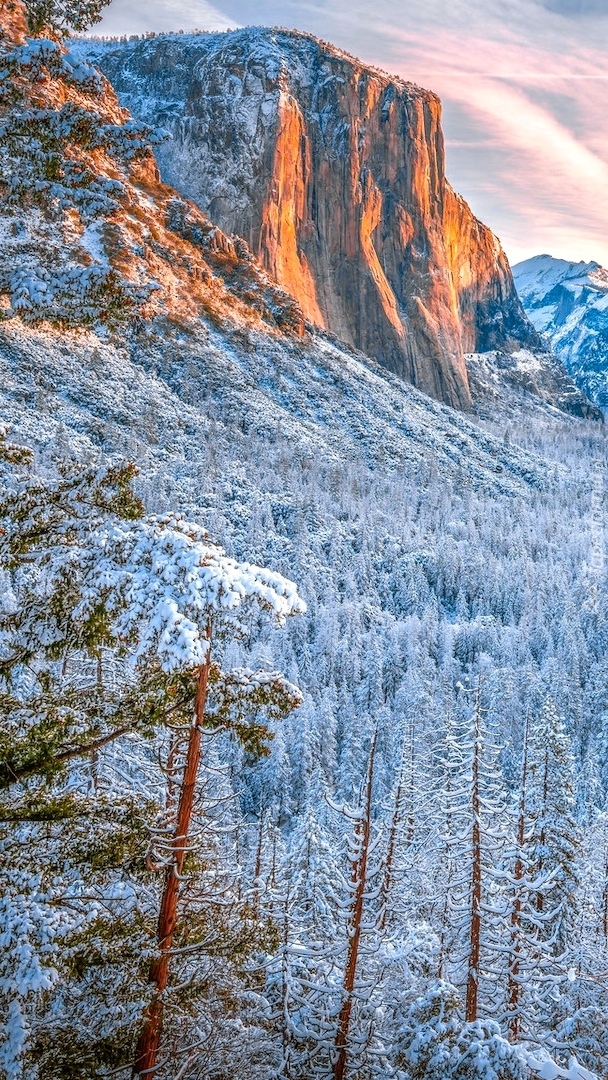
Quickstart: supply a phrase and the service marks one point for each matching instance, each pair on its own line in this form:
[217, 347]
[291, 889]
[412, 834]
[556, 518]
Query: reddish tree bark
[359, 879]
[149, 1040]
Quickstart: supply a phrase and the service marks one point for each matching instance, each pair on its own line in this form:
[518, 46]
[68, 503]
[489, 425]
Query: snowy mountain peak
[542, 272]
[568, 302]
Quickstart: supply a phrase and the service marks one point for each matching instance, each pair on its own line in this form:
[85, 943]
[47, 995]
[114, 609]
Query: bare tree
[359, 882]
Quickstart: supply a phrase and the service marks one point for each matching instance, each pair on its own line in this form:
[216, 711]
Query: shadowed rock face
[334, 174]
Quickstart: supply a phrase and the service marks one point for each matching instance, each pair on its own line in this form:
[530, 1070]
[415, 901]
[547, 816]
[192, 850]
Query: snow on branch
[165, 582]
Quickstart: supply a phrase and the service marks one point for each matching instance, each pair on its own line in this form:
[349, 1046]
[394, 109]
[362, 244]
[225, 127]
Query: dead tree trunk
[515, 965]
[605, 900]
[151, 1032]
[540, 899]
[359, 881]
[475, 930]
[390, 853]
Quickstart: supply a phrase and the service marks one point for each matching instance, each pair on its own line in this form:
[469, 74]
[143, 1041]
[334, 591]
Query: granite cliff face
[333, 172]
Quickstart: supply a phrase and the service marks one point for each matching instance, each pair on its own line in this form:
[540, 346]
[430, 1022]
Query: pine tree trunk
[514, 967]
[359, 880]
[151, 1032]
[287, 1041]
[390, 854]
[258, 869]
[540, 899]
[448, 832]
[475, 931]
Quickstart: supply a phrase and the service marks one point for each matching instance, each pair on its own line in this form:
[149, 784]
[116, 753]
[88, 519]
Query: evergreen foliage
[108, 620]
[63, 16]
[55, 135]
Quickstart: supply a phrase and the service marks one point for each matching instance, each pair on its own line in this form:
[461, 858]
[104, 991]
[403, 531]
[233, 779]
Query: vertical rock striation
[333, 172]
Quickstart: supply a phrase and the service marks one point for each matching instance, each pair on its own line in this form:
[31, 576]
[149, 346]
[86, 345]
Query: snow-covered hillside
[568, 302]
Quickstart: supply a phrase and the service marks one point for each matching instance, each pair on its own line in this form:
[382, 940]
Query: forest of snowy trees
[399, 869]
[303, 715]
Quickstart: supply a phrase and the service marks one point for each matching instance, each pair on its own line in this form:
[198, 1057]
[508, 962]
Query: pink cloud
[537, 167]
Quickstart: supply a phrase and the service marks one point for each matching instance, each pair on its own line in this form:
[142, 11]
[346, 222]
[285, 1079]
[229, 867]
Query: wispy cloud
[524, 85]
[133, 17]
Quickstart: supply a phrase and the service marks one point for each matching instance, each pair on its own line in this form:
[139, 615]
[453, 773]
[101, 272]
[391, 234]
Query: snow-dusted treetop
[165, 584]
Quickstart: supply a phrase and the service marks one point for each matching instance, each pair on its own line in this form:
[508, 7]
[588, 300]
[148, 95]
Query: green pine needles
[112, 806]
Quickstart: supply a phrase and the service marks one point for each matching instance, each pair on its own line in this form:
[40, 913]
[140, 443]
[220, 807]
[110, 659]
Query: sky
[524, 86]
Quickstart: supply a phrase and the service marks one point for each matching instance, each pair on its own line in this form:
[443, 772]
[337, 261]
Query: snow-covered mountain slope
[177, 397]
[568, 302]
[333, 172]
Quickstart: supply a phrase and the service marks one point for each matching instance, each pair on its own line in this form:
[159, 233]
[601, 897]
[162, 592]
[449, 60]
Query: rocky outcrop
[503, 383]
[333, 172]
[90, 235]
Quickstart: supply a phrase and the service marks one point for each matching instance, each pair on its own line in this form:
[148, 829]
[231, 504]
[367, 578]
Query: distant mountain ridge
[333, 172]
[568, 302]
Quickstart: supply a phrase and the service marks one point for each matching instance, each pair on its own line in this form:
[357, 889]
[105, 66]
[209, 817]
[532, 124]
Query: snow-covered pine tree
[304, 978]
[535, 970]
[555, 840]
[475, 837]
[62, 699]
[356, 924]
[172, 596]
[92, 589]
[51, 719]
[434, 1043]
[515, 976]
[568, 1004]
[411, 822]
